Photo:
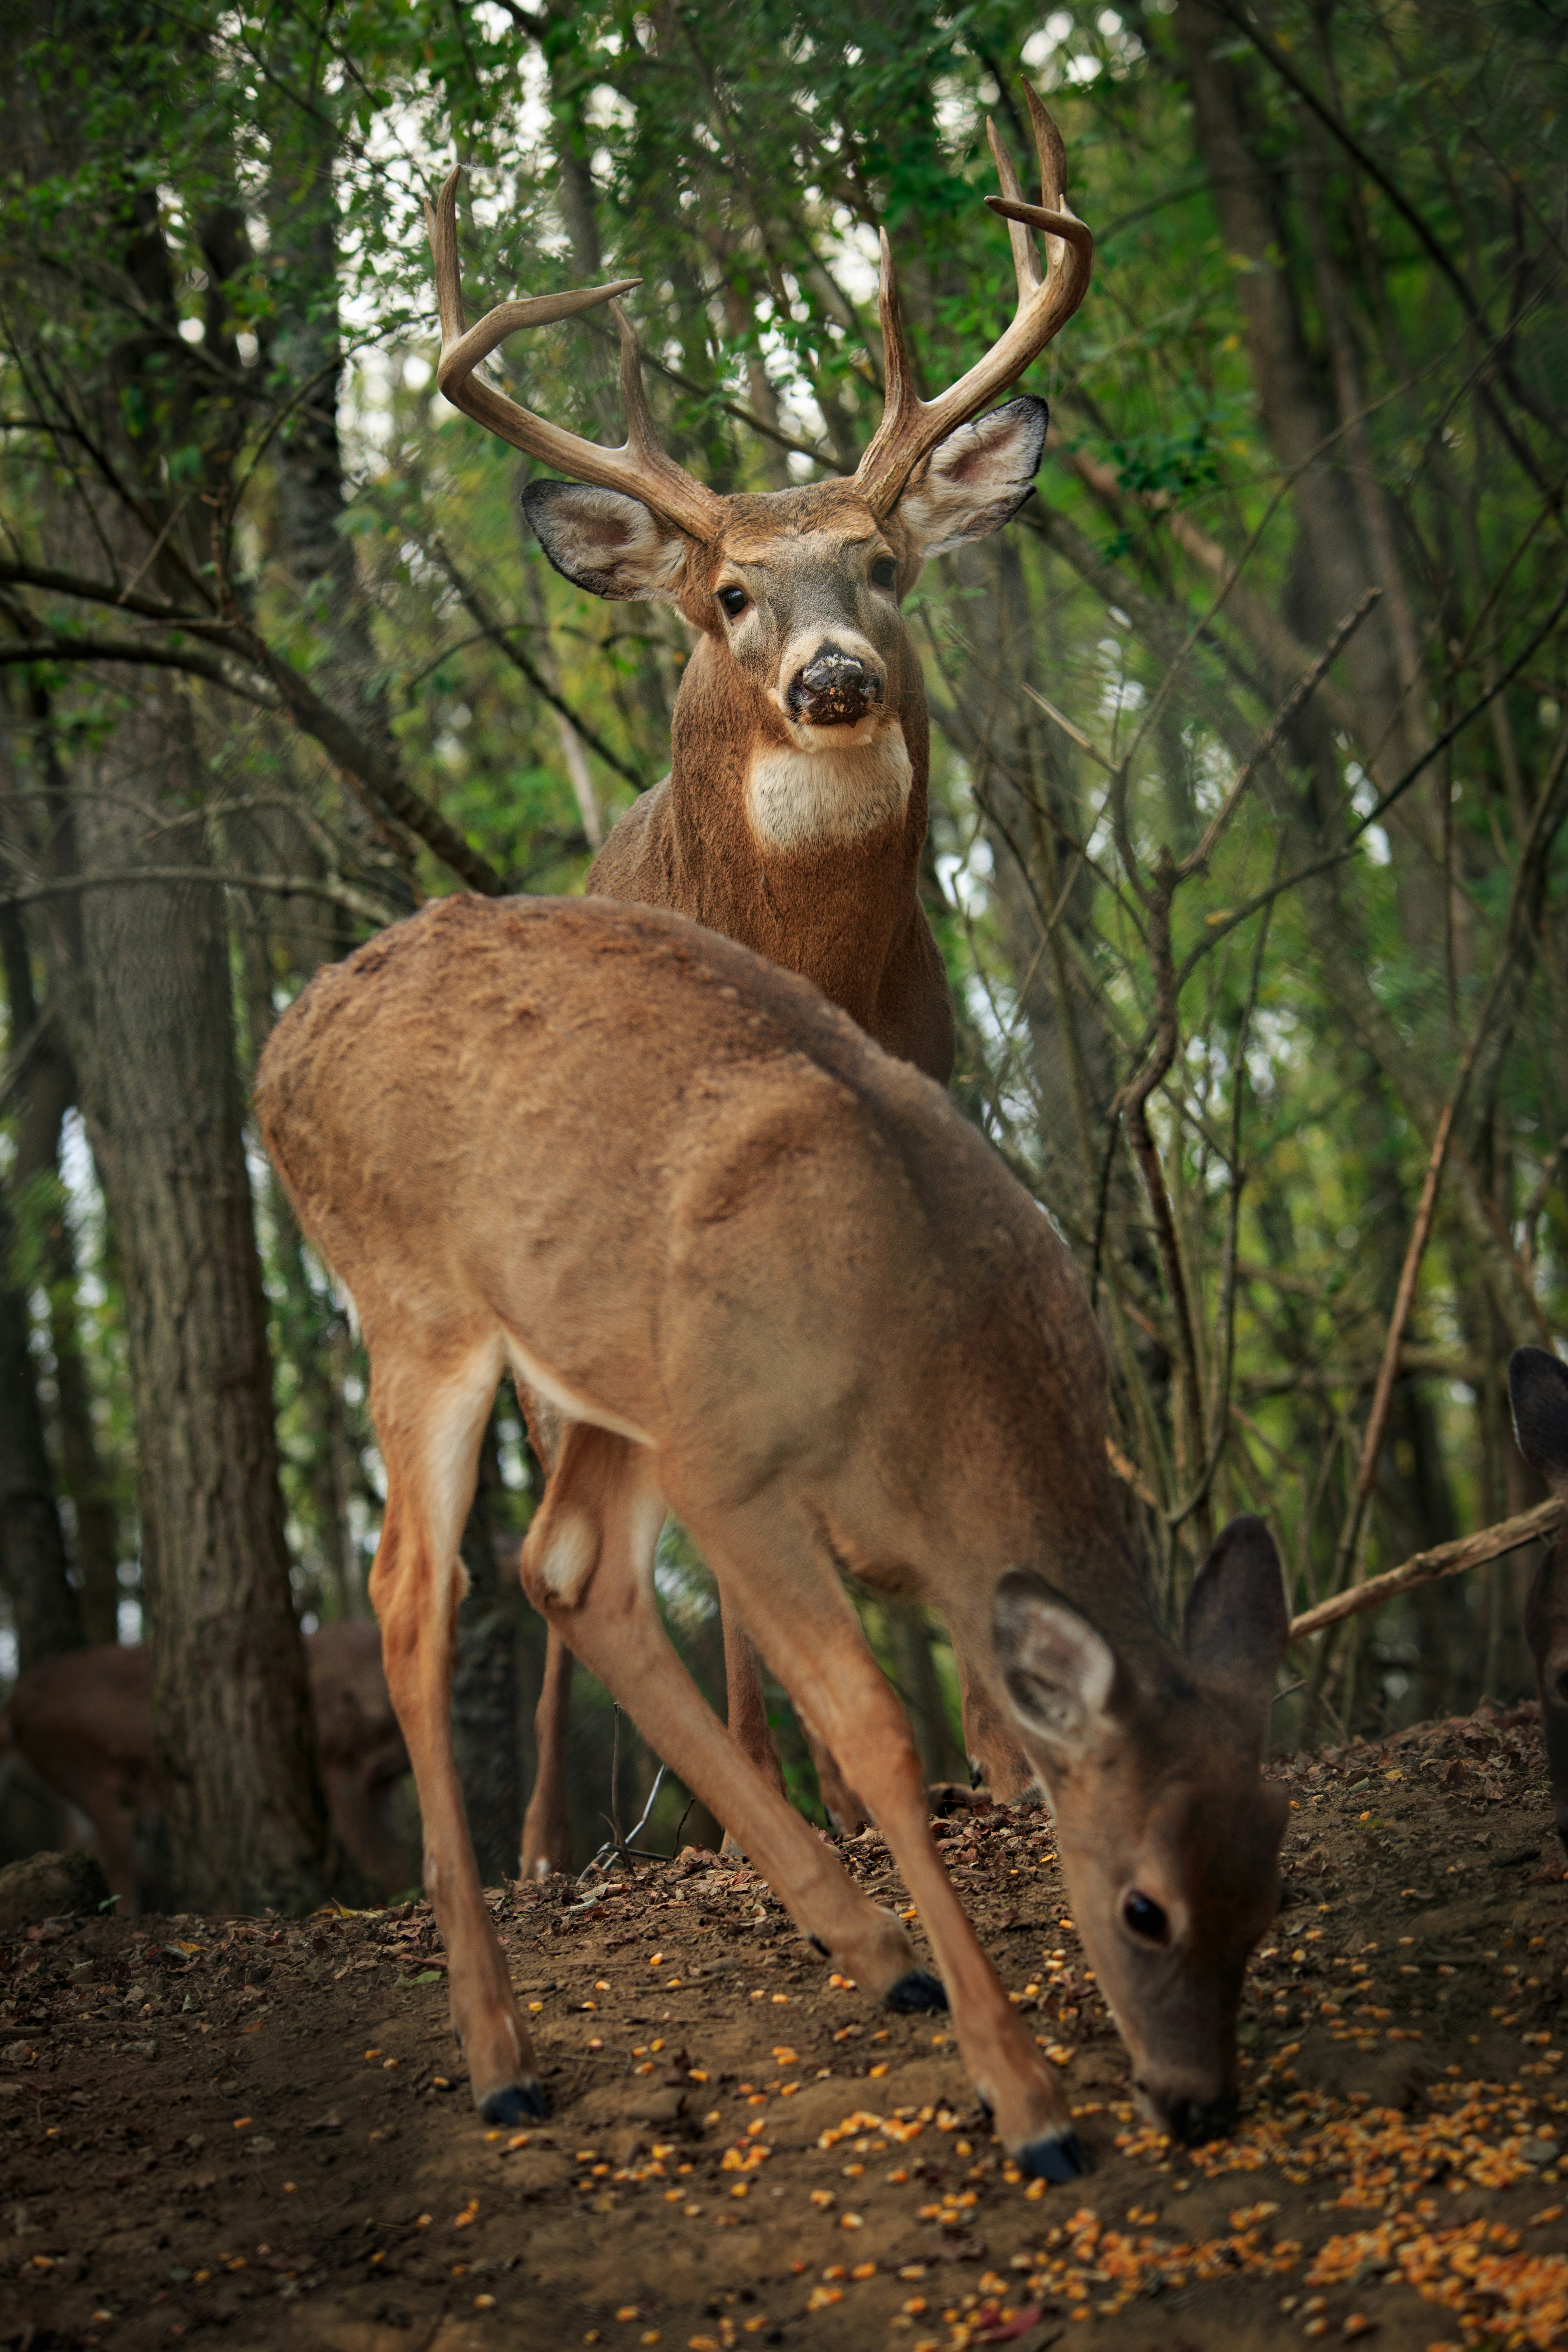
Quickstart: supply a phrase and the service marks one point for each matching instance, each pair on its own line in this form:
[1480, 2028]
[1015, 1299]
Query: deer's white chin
[835, 791]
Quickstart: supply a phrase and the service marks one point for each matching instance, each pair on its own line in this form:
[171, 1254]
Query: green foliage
[237, 221]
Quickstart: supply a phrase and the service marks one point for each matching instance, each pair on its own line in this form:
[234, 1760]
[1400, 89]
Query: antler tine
[639, 468]
[911, 427]
[1026, 252]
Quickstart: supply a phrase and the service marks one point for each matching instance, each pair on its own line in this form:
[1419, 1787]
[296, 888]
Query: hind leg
[588, 1566]
[429, 1419]
[996, 1760]
[547, 1824]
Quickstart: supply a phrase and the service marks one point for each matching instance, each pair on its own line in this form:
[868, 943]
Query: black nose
[835, 689]
[1193, 2120]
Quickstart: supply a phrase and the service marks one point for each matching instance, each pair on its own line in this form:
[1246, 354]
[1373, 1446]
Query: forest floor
[258, 2131]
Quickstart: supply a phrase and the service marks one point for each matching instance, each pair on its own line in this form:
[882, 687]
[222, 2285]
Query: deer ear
[605, 541]
[1538, 1391]
[1057, 1670]
[978, 479]
[1237, 1620]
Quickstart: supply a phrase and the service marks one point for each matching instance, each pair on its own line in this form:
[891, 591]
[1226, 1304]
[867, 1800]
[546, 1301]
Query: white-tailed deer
[83, 1722]
[794, 811]
[1538, 1389]
[772, 1281]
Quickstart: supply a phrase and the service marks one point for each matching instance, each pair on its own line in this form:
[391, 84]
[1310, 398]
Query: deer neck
[809, 858]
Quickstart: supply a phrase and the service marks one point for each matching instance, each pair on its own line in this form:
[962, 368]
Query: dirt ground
[258, 2131]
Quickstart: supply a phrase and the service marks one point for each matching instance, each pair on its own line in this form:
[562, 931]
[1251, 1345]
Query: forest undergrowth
[256, 2131]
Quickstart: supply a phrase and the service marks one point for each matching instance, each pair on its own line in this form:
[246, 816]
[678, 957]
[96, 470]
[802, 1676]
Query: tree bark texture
[485, 1724]
[45, 1609]
[152, 1023]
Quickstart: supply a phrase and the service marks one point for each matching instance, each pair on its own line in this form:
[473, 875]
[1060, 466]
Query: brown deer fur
[772, 1282]
[839, 900]
[798, 835]
[795, 812]
[83, 1722]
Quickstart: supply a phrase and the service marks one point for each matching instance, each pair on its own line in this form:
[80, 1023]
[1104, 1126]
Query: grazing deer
[770, 1280]
[794, 811]
[1538, 1390]
[83, 1722]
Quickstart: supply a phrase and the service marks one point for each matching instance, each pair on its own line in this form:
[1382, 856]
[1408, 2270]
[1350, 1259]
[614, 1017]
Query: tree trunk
[485, 1725]
[151, 1021]
[45, 1609]
[51, 1092]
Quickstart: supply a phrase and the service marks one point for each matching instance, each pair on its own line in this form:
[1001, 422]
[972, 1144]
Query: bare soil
[258, 2131]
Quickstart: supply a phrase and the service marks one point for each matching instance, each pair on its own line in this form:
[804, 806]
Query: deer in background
[795, 812]
[83, 1722]
[1538, 1391]
[753, 1264]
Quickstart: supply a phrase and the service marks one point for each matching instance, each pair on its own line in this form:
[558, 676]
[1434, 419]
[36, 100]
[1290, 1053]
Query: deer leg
[745, 1703]
[843, 1807]
[430, 1426]
[746, 1710]
[547, 1824]
[996, 1762]
[114, 1832]
[813, 1639]
[588, 1567]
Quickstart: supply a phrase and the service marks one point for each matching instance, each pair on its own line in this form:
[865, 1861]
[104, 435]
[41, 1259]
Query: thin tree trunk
[45, 1609]
[485, 1690]
[51, 1092]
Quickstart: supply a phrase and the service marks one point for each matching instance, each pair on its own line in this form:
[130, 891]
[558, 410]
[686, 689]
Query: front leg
[588, 1566]
[813, 1640]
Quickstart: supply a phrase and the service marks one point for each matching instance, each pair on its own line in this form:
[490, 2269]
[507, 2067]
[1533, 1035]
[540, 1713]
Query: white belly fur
[794, 799]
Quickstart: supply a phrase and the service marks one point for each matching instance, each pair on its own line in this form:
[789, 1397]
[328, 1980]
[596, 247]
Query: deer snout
[1187, 2116]
[834, 690]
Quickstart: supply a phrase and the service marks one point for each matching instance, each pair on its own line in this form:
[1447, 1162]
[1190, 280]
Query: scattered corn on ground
[260, 2129]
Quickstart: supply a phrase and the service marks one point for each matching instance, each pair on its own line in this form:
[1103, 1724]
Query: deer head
[1169, 1839]
[796, 591]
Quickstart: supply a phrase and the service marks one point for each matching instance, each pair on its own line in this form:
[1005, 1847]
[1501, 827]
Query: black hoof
[1059, 2156]
[916, 1990]
[520, 2103]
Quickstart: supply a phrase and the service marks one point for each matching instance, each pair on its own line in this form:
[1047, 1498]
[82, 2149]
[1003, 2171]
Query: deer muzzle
[1189, 2119]
[835, 689]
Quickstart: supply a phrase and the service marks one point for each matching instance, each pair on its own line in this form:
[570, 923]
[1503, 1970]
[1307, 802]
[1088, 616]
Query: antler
[913, 427]
[639, 468]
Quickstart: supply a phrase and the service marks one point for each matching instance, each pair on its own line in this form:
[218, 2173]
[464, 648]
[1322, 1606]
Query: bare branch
[375, 911]
[1422, 1566]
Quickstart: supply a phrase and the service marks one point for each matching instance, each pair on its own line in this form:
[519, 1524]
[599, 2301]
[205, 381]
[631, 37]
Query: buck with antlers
[757, 1267]
[794, 811]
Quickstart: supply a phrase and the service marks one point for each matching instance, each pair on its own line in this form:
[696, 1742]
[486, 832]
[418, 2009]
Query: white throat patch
[794, 799]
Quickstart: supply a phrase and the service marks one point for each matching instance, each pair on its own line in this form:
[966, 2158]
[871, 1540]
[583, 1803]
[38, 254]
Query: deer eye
[733, 600]
[884, 572]
[1144, 1918]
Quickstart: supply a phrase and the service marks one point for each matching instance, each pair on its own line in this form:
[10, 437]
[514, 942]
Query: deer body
[83, 1722]
[794, 812]
[769, 1279]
